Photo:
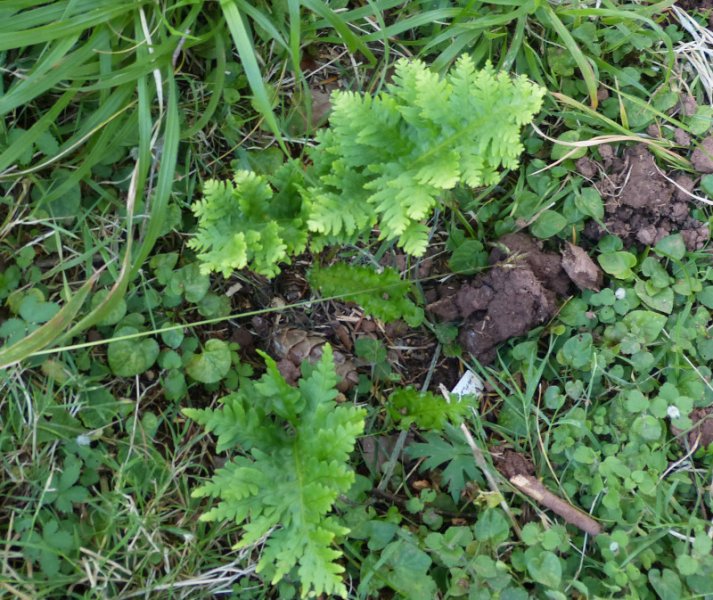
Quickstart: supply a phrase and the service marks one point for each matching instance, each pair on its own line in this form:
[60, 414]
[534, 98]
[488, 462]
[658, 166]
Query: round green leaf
[707, 184]
[544, 567]
[705, 296]
[661, 301]
[560, 150]
[131, 357]
[589, 202]
[170, 359]
[549, 223]
[174, 385]
[617, 264]
[644, 324]
[117, 312]
[173, 337]
[647, 427]
[211, 365]
[468, 257]
[34, 309]
[672, 246]
[666, 583]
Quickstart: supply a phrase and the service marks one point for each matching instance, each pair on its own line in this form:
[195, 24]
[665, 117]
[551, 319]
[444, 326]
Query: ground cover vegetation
[249, 249]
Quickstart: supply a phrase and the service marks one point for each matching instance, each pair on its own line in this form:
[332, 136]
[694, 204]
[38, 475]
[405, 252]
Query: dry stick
[484, 467]
[533, 488]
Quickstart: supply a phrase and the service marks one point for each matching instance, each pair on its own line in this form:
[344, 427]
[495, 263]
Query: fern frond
[243, 223]
[298, 442]
[406, 146]
[408, 406]
[383, 295]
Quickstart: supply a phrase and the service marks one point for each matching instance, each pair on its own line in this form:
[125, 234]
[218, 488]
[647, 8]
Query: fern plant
[245, 222]
[384, 162]
[408, 406]
[296, 444]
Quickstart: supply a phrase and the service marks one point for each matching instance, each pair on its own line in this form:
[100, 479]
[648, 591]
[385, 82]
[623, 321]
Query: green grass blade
[25, 142]
[49, 332]
[590, 79]
[263, 21]
[47, 72]
[216, 87]
[78, 23]
[352, 41]
[246, 51]
[166, 172]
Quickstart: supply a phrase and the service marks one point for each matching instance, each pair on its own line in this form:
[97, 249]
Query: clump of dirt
[517, 294]
[642, 205]
[511, 463]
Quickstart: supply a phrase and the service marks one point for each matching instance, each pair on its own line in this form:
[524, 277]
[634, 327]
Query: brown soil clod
[511, 463]
[642, 205]
[517, 294]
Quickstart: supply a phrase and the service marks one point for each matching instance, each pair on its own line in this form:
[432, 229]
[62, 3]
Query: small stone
[681, 137]
[606, 151]
[586, 167]
[684, 186]
[654, 130]
[688, 105]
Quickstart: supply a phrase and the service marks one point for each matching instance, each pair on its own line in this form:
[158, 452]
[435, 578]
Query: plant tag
[469, 385]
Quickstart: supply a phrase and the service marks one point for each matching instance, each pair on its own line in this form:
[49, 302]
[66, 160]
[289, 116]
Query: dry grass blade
[49, 332]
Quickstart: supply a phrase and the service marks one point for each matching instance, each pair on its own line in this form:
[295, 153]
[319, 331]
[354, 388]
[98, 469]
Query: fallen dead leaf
[582, 270]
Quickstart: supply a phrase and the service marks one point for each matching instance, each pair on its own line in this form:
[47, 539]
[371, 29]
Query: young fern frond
[297, 443]
[242, 223]
[386, 159]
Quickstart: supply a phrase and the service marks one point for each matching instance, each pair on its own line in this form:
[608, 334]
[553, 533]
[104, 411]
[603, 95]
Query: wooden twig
[533, 488]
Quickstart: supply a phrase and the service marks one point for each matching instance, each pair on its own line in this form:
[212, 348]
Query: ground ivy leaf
[645, 323]
[647, 427]
[131, 357]
[544, 567]
[661, 301]
[666, 584]
[211, 365]
[672, 246]
[468, 257]
[548, 224]
[705, 296]
[618, 264]
[560, 150]
[36, 310]
[589, 202]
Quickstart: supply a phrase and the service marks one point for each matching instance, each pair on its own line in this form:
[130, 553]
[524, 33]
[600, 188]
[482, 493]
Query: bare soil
[642, 205]
[516, 295]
